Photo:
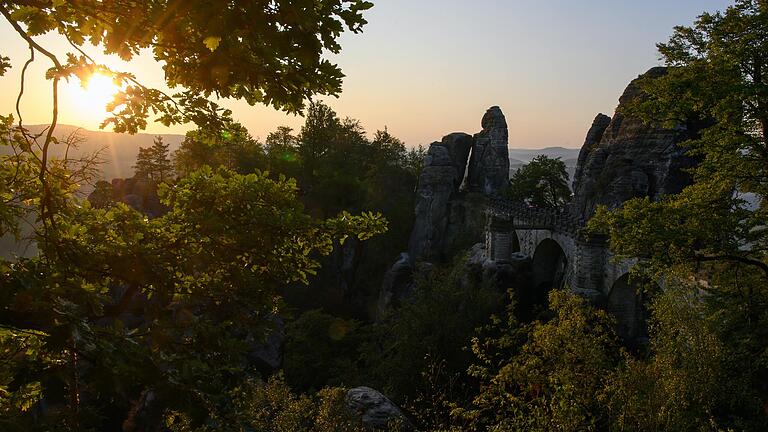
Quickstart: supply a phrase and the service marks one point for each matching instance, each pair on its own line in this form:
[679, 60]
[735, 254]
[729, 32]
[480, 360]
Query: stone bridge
[563, 255]
[622, 158]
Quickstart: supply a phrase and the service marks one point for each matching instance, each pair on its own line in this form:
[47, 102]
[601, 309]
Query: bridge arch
[549, 265]
[515, 242]
[627, 302]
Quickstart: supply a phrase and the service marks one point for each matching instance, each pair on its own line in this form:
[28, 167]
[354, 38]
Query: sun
[93, 95]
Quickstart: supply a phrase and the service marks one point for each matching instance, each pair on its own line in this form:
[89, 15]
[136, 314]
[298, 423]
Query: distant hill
[526, 155]
[118, 151]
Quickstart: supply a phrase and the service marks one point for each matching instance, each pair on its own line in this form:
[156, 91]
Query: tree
[273, 407]
[541, 183]
[125, 318]
[282, 152]
[278, 63]
[231, 147]
[153, 162]
[317, 137]
[122, 322]
[689, 381]
[545, 376]
[713, 233]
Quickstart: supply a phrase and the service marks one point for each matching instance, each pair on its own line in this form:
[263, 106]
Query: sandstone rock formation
[489, 163]
[625, 158]
[439, 182]
[443, 212]
[398, 283]
[594, 135]
[459, 172]
[375, 410]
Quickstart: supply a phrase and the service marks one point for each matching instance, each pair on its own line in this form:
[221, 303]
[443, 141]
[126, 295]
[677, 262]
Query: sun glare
[93, 96]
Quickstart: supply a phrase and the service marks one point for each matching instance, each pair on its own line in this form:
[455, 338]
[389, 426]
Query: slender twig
[45, 209]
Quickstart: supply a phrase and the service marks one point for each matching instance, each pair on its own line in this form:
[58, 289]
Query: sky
[426, 68]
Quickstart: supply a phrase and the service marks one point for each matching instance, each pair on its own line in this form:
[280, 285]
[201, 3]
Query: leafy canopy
[268, 52]
[541, 183]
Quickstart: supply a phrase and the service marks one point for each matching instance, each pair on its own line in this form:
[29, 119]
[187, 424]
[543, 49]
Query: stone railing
[537, 218]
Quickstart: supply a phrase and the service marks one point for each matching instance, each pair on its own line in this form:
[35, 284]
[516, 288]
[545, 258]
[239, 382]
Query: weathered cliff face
[489, 163]
[438, 188]
[444, 211]
[623, 158]
[450, 199]
[594, 135]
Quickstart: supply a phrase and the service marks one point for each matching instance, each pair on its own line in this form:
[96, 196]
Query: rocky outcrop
[459, 173]
[439, 182]
[267, 354]
[444, 213]
[513, 272]
[398, 283]
[375, 410]
[489, 163]
[594, 135]
[624, 158]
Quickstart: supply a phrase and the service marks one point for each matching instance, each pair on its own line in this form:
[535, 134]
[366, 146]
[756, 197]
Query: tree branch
[734, 258]
[28, 38]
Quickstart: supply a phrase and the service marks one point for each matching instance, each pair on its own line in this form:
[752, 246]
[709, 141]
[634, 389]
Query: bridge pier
[499, 234]
[588, 265]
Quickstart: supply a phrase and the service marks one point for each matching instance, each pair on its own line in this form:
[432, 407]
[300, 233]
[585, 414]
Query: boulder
[489, 163]
[375, 410]
[624, 157]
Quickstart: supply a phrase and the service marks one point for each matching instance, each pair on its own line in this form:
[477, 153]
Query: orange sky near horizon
[425, 69]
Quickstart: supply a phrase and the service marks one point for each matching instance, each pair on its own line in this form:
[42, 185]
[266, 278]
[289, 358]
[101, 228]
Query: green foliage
[708, 368]
[338, 168]
[553, 380]
[231, 147]
[320, 350]
[17, 177]
[281, 148]
[279, 62]
[273, 407]
[691, 381]
[160, 306]
[717, 74]
[542, 183]
[5, 64]
[121, 320]
[433, 327]
[153, 162]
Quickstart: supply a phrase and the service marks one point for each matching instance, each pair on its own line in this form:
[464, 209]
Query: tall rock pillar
[489, 162]
[439, 183]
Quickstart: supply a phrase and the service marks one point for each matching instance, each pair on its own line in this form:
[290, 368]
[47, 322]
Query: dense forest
[236, 284]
